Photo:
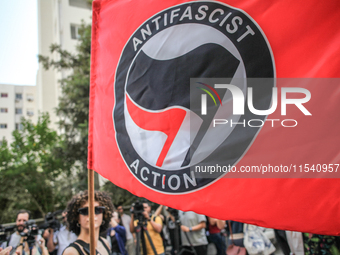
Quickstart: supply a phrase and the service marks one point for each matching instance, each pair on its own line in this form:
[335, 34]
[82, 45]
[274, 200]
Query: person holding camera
[126, 219]
[172, 222]
[141, 216]
[61, 238]
[79, 223]
[25, 239]
[32, 249]
[15, 239]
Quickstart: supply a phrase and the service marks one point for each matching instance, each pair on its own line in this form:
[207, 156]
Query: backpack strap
[75, 246]
[85, 246]
[104, 244]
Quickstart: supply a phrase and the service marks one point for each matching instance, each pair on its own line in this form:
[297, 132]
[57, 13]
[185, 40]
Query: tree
[73, 108]
[119, 196]
[31, 169]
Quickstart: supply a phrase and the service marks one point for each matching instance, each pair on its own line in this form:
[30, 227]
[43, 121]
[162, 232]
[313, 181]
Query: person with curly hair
[78, 219]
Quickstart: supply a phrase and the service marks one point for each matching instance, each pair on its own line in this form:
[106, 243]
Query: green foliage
[73, 109]
[30, 170]
[5, 155]
[119, 196]
[42, 170]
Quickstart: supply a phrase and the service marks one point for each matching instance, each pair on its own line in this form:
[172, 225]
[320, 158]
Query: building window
[3, 110]
[75, 31]
[80, 3]
[18, 126]
[3, 125]
[18, 110]
[18, 96]
[30, 112]
[30, 97]
[4, 94]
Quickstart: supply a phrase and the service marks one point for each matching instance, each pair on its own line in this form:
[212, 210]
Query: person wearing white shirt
[61, 238]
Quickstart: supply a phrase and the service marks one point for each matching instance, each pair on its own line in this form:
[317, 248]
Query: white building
[58, 23]
[16, 102]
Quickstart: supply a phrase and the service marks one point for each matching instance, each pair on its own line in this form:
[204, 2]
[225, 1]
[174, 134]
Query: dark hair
[145, 201]
[23, 211]
[79, 200]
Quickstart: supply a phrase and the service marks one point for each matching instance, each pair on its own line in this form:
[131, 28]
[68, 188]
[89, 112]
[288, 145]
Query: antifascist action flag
[226, 108]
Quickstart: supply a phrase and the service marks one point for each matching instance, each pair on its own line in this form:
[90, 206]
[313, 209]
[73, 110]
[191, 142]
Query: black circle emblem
[161, 138]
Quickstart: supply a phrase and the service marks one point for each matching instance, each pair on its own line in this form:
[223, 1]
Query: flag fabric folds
[142, 127]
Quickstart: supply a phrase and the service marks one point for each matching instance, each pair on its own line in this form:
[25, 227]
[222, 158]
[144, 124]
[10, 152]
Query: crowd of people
[142, 231]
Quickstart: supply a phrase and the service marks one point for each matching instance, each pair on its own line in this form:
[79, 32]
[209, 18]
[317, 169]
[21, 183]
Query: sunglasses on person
[97, 210]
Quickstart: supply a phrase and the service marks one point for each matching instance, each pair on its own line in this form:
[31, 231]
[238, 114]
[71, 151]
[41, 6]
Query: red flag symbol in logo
[168, 121]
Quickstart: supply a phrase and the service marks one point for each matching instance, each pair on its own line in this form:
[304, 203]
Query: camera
[4, 231]
[31, 233]
[138, 210]
[51, 221]
[173, 212]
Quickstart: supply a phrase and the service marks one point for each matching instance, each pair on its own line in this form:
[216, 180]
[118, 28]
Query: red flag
[148, 136]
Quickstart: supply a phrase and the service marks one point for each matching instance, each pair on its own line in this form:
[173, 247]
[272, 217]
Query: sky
[19, 42]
